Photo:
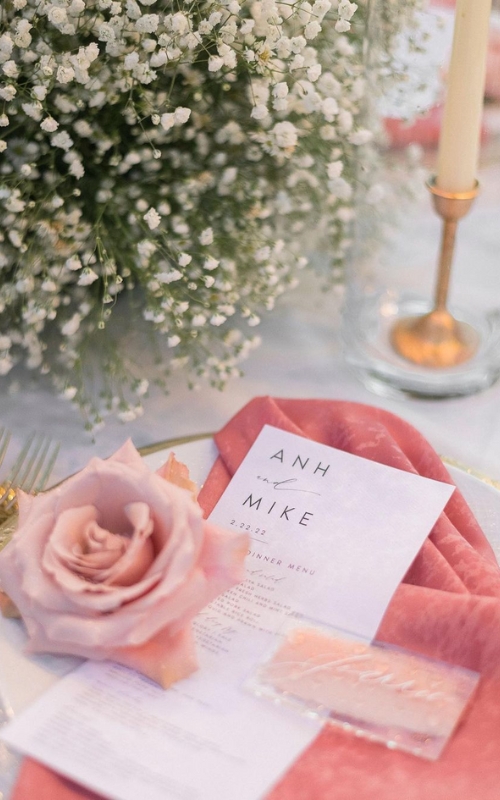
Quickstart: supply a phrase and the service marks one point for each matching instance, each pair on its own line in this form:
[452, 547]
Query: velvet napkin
[447, 607]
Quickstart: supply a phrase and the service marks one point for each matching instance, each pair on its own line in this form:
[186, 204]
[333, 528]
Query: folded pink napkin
[447, 607]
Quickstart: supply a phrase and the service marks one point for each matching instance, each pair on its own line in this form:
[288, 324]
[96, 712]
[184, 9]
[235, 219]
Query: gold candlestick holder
[437, 340]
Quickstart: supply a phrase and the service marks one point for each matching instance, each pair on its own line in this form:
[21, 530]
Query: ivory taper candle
[461, 128]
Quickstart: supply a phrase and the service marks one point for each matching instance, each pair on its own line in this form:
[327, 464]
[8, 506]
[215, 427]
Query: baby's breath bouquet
[177, 149]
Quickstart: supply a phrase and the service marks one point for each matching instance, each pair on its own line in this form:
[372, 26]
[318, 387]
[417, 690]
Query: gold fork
[29, 473]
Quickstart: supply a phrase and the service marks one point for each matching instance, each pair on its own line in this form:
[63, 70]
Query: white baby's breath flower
[142, 387]
[344, 121]
[173, 341]
[247, 26]
[76, 7]
[87, 277]
[181, 115]
[259, 112]
[361, 136]
[33, 110]
[152, 218]
[57, 15]
[167, 121]
[73, 263]
[127, 415]
[49, 124]
[14, 203]
[40, 92]
[217, 319]
[184, 259]
[285, 134]
[179, 23]
[10, 69]
[76, 168]
[280, 90]
[3, 145]
[106, 32]
[92, 51]
[131, 60]
[83, 128]
[22, 36]
[62, 140]
[314, 72]
[8, 92]
[65, 74]
[329, 109]
[334, 169]
[215, 63]
[312, 29]
[148, 23]
[15, 239]
[206, 236]
[320, 8]
[342, 26]
[169, 277]
[346, 9]
[71, 326]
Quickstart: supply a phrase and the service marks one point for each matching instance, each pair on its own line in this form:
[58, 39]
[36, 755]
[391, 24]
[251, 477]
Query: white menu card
[331, 536]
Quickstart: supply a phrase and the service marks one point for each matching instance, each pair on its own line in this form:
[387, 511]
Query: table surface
[300, 357]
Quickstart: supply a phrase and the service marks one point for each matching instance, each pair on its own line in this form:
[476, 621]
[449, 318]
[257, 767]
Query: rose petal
[127, 454]
[139, 555]
[7, 607]
[177, 473]
[223, 557]
[24, 503]
[79, 551]
[165, 659]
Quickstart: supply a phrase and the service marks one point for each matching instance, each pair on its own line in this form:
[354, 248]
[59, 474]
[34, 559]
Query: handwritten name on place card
[377, 691]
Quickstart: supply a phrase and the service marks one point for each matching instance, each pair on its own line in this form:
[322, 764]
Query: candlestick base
[368, 329]
[436, 340]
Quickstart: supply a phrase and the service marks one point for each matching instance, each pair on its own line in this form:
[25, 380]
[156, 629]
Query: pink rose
[114, 563]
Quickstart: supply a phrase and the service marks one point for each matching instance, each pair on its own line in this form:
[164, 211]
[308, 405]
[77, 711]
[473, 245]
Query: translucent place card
[376, 691]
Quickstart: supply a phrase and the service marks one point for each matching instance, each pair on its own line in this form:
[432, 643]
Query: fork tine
[23, 481]
[44, 477]
[4, 442]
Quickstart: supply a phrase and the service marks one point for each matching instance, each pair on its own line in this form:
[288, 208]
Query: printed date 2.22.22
[244, 526]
